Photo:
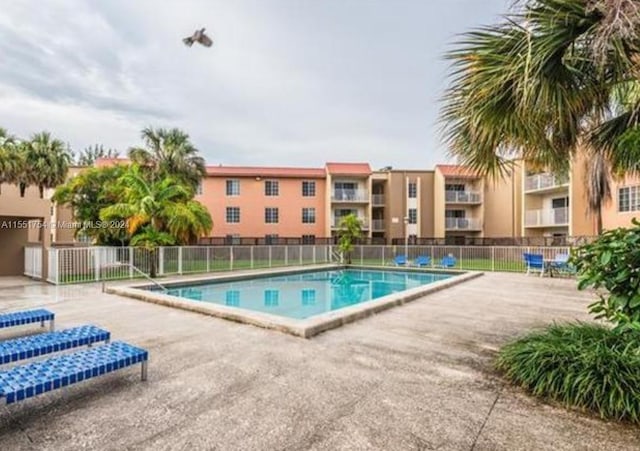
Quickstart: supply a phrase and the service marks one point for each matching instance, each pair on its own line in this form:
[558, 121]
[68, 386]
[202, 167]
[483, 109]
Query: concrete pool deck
[414, 377]
[305, 328]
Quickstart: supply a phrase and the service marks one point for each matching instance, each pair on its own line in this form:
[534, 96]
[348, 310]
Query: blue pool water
[307, 294]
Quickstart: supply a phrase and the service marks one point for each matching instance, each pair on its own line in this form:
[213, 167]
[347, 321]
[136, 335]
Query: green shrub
[612, 263]
[579, 365]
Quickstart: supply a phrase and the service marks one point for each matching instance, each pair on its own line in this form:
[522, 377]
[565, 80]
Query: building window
[271, 298]
[271, 239]
[308, 189]
[199, 189]
[308, 215]
[629, 199]
[454, 187]
[413, 216]
[413, 190]
[232, 298]
[233, 187]
[271, 215]
[271, 188]
[455, 213]
[308, 297]
[233, 215]
[308, 239]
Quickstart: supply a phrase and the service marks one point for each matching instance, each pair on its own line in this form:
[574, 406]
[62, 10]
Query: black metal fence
[447, 241]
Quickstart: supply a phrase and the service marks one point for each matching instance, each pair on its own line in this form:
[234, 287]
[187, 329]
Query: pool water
[307, 294]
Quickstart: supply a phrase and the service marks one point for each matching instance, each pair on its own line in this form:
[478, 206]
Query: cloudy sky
[287, 82]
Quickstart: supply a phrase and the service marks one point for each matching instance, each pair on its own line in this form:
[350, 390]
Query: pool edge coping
[305, 328]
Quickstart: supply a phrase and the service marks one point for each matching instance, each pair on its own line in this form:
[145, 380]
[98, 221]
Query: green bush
[579, 365]
[611, 264]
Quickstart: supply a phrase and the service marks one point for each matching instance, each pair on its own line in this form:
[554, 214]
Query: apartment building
[348, 188]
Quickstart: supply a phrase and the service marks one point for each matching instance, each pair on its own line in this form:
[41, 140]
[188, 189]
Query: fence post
[361, 255]
[433, 257]
[161, 263]
[230, 258]
[286, 255]
[96, 263]
[130, 254]
[251, 253]
[180, 260]
[314, 254]
[382, 262]
[269, 256]
[493, 258]
[208, 259]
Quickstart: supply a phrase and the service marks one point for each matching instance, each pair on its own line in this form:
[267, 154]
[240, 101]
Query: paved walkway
[417, 377]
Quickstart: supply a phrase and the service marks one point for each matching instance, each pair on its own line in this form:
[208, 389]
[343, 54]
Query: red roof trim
[258, 171]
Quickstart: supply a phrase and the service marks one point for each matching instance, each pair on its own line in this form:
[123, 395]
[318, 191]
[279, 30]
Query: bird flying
[198, 36]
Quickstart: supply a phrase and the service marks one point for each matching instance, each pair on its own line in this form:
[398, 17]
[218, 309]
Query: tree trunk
[152, 264]
[41, 188]
[23, 188]
[599, 221]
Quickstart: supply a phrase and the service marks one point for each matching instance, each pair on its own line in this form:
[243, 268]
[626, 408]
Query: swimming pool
[299, 301]
[301, 296]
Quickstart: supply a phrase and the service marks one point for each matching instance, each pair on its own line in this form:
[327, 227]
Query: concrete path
[416, 377]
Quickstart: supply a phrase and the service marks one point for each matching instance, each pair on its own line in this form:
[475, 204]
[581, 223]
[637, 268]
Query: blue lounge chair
[561, 264]
[534, 262]
[25, 381]
[423, 260]
[400, 260]
[448, 261]
[35, 345]
[27, 317]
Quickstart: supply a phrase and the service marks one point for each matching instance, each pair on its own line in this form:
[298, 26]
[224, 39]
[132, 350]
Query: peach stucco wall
[611, 217]
[253, 201]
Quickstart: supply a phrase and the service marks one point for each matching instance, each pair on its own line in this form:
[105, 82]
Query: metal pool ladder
[138, 270]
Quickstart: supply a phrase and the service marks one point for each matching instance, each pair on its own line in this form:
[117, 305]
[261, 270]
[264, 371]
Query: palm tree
[350, 230]
[555, 78]
[7, 157]
[149, 239]
[44, 162]
[90, 154]
[169, 152]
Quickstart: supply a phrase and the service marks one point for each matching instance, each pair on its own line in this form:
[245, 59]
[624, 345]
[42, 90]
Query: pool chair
[561, 264]
[21, 318]
[400, 260]
[422, 261]
[533, 263]
[26, 381]
[448, 261]
[40, 344]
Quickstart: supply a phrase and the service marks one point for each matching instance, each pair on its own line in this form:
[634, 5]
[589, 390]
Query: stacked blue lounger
[34, 378]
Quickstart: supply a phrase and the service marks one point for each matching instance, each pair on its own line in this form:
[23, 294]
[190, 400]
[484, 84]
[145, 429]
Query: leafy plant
[349, 230]
[611, 264]
[586, 366]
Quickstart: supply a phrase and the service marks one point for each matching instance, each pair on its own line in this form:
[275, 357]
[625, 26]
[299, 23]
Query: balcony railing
[377, 224]
[350, 195]
[463, 197]
[547, 217]
[544, 181]
[462, 224]
[335, 222]
[377, 199]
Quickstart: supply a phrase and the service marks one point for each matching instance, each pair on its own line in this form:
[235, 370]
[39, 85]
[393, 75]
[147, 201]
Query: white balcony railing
[335, 222]
[463, 197]
[377, 199]
[462, 224]
[543, 181]
[377, 224]
[547, 217]
[350, 195]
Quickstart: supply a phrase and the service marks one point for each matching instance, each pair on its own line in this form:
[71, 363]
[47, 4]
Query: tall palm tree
[90, 154]
[45, 162]
[350, 230]
[556, 77]
[169, 152]
[7, 157]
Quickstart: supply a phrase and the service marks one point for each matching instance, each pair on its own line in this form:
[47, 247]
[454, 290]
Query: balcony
[377, 224]
[462, 197]
[462, 224]
[350, 195]
[544, 182]
[377, 200]
[548, 217]
[335, 222]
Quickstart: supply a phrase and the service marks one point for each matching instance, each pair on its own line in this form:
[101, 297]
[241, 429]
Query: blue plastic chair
[400, 260]
[423, 260]
[448, 261]
[561, 264]
[534, 262]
